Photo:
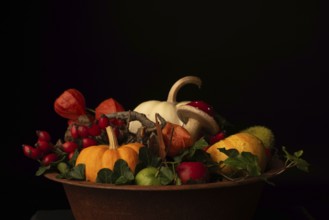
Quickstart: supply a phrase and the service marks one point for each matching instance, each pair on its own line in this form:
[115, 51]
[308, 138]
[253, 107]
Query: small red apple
[192, 172]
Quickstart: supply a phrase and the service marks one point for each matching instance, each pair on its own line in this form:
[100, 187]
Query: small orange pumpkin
[104, 156]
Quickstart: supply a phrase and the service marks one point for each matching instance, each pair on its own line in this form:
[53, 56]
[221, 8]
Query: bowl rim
[276, 167]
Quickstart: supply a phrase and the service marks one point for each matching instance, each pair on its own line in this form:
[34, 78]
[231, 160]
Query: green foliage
[244, 162]
[146, 159]
[196, 153]
[295, 160]
[51, 167]
[73, 173]
[120, 175]
[166, 175]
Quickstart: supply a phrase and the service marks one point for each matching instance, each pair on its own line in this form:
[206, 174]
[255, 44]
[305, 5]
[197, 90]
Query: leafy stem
[295, 160]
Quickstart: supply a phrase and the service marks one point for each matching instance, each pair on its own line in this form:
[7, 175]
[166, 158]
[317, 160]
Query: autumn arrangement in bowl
[147, 162]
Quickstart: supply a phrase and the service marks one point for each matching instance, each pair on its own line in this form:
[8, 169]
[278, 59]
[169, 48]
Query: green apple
[148, 177]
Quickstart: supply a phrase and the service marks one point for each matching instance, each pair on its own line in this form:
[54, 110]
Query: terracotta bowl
[221, 200]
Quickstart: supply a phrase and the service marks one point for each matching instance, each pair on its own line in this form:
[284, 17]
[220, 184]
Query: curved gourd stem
[113, 141]
[180, 83]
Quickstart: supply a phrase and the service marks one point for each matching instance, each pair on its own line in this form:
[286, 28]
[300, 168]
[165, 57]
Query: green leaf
[122, 180]
[251, 163]
[120, 175]
[166, 175]
[105, 175]
[302, 165]
[77, 172]
[147, 158]
[74, 158]
[287, 155]
[230, 152]
[179, 158]
[42, 169]
[244, 161]
[200, 144]
[298, 153]
[123, 172]
[195, 153]
[296, 160]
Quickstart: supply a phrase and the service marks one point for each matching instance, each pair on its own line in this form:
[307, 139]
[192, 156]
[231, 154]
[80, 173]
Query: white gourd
[167, 109]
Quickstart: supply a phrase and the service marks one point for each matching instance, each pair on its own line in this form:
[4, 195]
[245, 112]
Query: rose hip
[117, 122]
[83, 131]
[69, 146]
[31, 152]
[43, 135]
[70, 155]
[74, 131]
[94, 130]
[49, 158]
[103, 122]
[44, 146]
[87, 142]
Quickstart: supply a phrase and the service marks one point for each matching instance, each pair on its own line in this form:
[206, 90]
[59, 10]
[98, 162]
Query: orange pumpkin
[104, 156]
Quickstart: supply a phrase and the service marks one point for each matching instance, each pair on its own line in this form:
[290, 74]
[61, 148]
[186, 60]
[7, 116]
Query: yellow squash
[242, 142]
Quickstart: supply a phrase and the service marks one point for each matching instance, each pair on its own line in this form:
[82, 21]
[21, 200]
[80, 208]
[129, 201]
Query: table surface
[291, 213]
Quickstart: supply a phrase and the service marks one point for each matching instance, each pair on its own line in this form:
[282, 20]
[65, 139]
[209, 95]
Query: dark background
[261, 62]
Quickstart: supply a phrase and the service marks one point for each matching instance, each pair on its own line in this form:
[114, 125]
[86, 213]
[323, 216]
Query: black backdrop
[261, 62]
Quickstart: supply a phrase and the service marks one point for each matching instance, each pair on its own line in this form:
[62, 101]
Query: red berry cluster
[43, 149]
[79, 135]
[91, 133]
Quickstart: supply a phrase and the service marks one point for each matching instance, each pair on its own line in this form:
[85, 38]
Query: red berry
[103, 122]
[87, 142]
[74, 131]
[44, 146]
[217, 137]
[69, 146]
[43, 135]
[49, 158]
[70, 155]
[117, 122]
[94, 130]
[83, 131]
[31, 152]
